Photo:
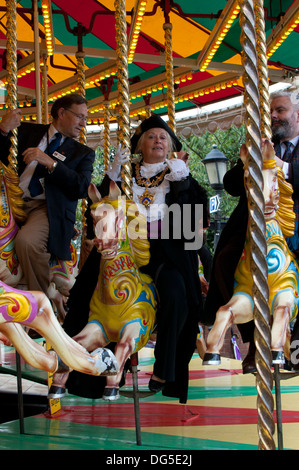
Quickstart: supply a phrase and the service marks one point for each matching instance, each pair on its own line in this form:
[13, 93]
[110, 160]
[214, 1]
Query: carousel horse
[283, 271]
[62, 273]
[123, 305]
[32, 309]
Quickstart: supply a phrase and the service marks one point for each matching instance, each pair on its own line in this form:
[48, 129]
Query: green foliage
[228, 142]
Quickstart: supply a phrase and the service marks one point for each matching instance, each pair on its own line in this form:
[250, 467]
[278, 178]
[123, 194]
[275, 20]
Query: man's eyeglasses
[78, 116]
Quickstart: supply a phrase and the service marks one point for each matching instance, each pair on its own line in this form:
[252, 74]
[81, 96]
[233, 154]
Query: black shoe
[156, 386]
[248, 365]
[111, 394]
[277, 357]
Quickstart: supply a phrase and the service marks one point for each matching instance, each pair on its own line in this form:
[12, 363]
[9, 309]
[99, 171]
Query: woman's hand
[122, 156]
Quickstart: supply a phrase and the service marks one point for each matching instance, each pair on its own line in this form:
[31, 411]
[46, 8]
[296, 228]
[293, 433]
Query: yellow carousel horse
[283, 272]
[123, 305]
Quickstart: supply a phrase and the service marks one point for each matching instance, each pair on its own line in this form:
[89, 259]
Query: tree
[227, 141]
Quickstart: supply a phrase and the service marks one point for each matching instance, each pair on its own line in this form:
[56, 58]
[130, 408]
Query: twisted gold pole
[11, 88]
[262, 70]
[169, 75]
[257, 229]
[106, 135]
[81, 84]
[44, 94]
[80, 55]
[123, 89]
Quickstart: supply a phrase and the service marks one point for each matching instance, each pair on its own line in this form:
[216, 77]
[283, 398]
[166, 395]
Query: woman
[160, 184]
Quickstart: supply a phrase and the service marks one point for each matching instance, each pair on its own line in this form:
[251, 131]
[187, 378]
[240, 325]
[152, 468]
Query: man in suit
[285, 127]
[55, 171]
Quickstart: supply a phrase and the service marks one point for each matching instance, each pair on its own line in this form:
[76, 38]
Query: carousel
[130, 59]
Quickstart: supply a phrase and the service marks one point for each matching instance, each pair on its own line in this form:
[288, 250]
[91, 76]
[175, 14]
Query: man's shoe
[156, 386]
[278, 357]
[110, 394]
[248, 365]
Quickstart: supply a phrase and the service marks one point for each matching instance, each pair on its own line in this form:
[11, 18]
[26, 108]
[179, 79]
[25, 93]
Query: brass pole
[169, 75]
[257, 228]
[262, 70]
[106, 135]
[37, 63]
[80, 55]
[123, 89]
[44, 93]
[11, 88]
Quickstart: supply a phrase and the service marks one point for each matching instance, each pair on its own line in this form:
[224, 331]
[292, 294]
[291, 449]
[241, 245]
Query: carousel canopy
[204, 40]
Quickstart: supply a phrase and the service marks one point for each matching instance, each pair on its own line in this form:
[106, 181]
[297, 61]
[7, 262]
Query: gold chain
[147, 198]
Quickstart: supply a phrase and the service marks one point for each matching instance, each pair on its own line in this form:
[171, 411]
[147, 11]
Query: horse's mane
[139, 244]
[14, 192]
[136, 227]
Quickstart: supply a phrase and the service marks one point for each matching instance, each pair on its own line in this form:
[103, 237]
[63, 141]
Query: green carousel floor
[220, 414]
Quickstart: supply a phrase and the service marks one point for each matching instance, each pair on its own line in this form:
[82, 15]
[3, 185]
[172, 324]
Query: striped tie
[287, 156]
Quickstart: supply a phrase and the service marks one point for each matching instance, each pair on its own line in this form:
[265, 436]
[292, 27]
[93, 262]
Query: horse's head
[270, 186]
[108, 216]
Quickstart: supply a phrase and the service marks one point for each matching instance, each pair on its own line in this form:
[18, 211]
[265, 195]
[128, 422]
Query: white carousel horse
[62, 273]
[283, 271]
[123, 305]
[20, 308]
[33, 309]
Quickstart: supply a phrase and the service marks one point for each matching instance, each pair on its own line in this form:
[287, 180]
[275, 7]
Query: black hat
[150, 123]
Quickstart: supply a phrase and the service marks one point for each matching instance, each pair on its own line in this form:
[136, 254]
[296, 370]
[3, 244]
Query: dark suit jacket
[64, 186]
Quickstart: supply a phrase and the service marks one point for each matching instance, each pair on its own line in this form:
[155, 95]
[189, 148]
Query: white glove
[122, 155]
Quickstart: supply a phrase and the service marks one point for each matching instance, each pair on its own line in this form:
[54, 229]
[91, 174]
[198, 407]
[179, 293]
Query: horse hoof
[110, 394]
[61, 366]
[211, 359]
[106, 363]
[56, 392]
[277, 357]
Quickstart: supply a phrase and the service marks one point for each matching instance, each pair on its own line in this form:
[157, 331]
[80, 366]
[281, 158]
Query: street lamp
[216, 167]
[215, 164]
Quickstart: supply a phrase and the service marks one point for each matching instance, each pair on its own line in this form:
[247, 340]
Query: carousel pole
[44, 93]
[11, 68]
[267, 134]
[256, 225]
[80, 56]
[106, 135]
[124, 138]
[106, 88]
[37, 63]
[123, 89]
[11, 89]
[169, 75]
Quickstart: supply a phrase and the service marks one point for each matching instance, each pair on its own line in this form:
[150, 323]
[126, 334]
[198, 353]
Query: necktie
[287, 156]
[35, 187]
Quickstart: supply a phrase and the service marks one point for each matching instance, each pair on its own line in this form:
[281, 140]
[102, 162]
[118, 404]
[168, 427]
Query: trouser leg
[31, 247]
[171, 318]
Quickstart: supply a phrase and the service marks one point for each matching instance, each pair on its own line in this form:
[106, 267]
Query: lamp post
[215, 164]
